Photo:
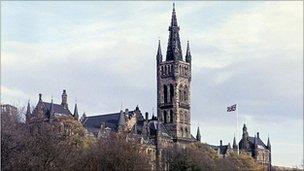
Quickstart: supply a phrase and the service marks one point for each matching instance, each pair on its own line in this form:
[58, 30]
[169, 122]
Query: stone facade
[6, 108]
[173, 85]
[255, 147]
[46, 112]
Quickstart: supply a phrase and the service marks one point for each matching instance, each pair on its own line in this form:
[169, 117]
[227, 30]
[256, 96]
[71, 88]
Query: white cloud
[13, 96]
[266, 31]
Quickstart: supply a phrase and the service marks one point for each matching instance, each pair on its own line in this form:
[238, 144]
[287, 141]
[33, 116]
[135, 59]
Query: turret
[28, 109]
[147, 116]
[188, 53]
[159, 56]
[40, 97]
[269, 148]
[51, 109]
[229, 146]
[245, 138]
[198, 135]
[76, 116]
[244, 129]
[137, 108]
[28, 112]
[83, 117]
[234, 145]
[121, 122]
[268, 144]
[64, 101]
[245, 133]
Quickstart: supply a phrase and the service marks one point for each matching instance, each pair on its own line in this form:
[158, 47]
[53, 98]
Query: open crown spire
[174, 50]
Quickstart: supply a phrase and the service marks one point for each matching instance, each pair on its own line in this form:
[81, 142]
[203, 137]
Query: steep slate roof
[57, 108]
[92, 123]
[110, 120]
[223, 149]
[251, 142]
[153, 128]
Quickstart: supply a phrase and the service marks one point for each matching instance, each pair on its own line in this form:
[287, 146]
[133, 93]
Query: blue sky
[103, 53]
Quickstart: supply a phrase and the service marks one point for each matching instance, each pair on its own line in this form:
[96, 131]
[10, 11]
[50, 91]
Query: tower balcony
[184, 105]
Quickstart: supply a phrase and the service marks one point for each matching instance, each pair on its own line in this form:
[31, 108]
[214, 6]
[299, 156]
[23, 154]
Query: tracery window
[171, 116]
[171, 92]
[165, 94]
[165, 116]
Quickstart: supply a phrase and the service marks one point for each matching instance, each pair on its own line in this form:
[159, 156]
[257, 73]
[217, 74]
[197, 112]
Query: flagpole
[237, 126]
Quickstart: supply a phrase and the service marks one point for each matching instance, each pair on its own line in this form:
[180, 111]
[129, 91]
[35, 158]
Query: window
[182, 131]
[165, 94]
[180, 95]
[186, 131]
[171, 92]
[171, 116]
[162, 70]
[167, 71]
[181, 117]
[165, 116]
[186, 93]
[180, 92]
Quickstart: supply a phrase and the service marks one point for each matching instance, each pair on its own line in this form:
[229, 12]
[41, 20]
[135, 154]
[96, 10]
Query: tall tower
[173, 85]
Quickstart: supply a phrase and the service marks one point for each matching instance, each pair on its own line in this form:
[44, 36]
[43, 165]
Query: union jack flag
[231, 108]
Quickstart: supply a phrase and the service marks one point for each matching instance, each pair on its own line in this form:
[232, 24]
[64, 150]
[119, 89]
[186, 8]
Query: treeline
[49, 147]
[201, 157]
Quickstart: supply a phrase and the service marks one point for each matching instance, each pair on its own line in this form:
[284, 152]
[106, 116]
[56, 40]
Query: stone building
[172, 125]
[147, 131]
[47, 112]
[252, 146]
[223, 150]
[9, 109]
[173, 86]
[255, 147]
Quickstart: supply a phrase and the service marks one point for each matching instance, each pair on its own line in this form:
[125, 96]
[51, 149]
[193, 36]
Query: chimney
[40, 97]
[64, 101]
[258, 135]
[221, 142]
[147, 115]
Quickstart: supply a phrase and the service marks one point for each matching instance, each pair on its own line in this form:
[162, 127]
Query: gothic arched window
[182, 131]
[167, 72]
[171, 116]
[180, 92]
[171, 92]
[186, 131]
[165, 116]
[181, 119]
[165, 94]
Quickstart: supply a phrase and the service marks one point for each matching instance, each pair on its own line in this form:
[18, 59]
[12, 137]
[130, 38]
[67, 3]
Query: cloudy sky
[103, 54]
